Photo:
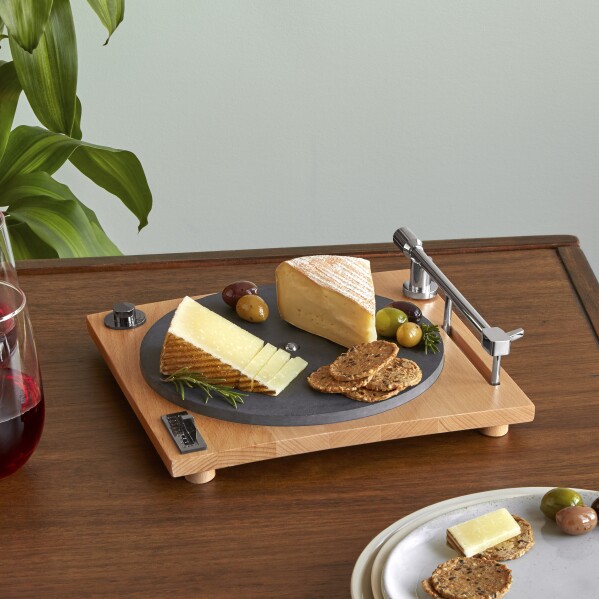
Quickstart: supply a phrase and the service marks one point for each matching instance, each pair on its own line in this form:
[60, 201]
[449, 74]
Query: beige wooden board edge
[461, 399]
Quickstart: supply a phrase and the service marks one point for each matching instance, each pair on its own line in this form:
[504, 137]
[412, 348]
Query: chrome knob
[124, 316]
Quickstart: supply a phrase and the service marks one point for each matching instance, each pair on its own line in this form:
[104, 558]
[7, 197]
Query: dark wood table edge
[583, 280]
[573, 259]
[261, 256]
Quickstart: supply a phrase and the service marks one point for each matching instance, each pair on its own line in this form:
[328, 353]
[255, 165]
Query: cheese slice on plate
[329, 296]
[268, 371]
[205, 342]
[255, 365]
[480, 533]
[289, 371]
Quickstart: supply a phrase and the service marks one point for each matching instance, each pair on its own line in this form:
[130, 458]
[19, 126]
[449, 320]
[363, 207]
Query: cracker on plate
[370, 396]
[512, 548]
[471, 578]
[363, 360]
[399, 373]
[429, 589]
[322, 381]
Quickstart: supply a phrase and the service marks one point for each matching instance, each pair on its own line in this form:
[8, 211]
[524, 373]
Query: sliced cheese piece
[205, 342]
[480, 533]
[256, 364]
[289, 371]
[268, 371]
[329, 296]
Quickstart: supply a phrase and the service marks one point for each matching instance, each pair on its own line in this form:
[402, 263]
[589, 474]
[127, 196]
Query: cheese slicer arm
[425, 280]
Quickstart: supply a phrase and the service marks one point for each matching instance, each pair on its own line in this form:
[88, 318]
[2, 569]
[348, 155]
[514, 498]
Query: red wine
[21, 419]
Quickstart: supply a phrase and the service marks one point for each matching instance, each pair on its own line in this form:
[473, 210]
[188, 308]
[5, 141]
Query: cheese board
[299, 404]
[460, 399]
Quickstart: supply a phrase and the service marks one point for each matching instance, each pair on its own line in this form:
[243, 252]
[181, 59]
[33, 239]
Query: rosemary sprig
[212, 387]
[430, 337]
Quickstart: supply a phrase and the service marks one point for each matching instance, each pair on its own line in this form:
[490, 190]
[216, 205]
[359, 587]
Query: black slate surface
[298, 404]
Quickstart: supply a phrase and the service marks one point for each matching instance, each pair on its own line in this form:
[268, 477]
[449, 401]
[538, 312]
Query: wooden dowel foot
[495, 431]
[201, 477]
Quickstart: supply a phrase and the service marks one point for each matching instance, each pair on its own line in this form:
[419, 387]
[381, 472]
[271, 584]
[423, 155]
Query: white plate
[559, 565]
[361, 586]
[366, 576]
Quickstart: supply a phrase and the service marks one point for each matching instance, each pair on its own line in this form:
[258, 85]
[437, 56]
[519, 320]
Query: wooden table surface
[94, 513]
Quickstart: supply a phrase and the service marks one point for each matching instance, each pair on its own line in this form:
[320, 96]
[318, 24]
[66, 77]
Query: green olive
[252, 308]
[556, 499]
[409, 334]
[388, 320]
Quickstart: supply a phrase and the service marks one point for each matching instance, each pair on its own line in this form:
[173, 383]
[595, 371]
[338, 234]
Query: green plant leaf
[118, 172]
[33, 149]
[76, 130]
[111, 13]
[26, 244]
[49, 74]
[25, 20]
[108, 248]
[10, 90]
[33, 185]
[60, 223]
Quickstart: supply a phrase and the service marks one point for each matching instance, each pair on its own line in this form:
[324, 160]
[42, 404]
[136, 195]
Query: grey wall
[271, 123]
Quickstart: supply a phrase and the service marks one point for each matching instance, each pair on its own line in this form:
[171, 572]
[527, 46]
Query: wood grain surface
[94, 513]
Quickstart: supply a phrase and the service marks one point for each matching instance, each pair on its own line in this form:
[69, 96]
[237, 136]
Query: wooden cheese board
[460, 399]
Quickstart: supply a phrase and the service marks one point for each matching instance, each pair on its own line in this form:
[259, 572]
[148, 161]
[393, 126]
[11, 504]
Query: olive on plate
[409, 334]
[411, 310]
[595, 505]
[252, 308]
[556, 499]
[576, 519]
[231, 293]
[388, 320]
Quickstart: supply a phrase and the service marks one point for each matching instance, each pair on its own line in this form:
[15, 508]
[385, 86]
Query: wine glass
[8, 270]
[21, 396]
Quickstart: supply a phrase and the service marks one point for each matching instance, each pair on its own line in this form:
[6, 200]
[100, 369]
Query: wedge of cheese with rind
[203, 341]
[329, 296]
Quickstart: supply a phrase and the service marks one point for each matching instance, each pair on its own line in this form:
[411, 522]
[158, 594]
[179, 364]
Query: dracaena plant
[45, 219]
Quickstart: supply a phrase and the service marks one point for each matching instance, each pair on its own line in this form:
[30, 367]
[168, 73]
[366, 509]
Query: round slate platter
[298, 404]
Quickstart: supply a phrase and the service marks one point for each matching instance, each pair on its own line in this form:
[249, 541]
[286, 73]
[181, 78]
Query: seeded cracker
[512, 548]
[369, 396]
[427, 587]
[398, 374]
[471, 578]
[363, 360]
[322, 381]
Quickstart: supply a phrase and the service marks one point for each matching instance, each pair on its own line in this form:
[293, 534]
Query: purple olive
[231, 293]
[412, 311]
[576, 520]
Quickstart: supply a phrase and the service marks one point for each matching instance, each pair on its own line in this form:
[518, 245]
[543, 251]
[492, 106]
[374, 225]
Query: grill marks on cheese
[329, 296]
[203, 341]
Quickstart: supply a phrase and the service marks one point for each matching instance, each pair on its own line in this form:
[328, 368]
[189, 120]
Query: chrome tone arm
[425, 276]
